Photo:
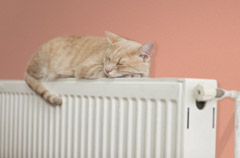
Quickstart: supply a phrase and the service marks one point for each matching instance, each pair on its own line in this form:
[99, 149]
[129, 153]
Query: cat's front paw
[126, 76]
[136, 75]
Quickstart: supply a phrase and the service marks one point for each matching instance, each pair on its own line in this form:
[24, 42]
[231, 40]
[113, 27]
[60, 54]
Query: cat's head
[127, 57]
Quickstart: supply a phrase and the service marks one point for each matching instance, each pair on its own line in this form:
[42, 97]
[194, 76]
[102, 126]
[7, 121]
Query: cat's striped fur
[86, 57]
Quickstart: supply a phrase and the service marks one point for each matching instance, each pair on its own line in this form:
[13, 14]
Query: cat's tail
[40, 89]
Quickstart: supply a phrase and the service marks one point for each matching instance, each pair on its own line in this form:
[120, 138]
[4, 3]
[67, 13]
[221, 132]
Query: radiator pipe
[204, 92]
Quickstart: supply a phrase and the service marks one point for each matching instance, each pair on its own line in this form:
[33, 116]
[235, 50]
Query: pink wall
[197, 39]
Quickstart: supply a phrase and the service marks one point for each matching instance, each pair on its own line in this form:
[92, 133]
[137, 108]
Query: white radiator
[108, 118]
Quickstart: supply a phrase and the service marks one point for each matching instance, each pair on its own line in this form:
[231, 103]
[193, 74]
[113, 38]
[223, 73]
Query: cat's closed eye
[108, 59]
[119, 63]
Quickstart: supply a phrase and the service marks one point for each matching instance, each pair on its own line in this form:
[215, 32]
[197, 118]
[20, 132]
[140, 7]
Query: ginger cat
[86, 57]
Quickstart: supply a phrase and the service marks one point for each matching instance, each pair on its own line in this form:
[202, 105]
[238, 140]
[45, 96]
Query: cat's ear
[147, 48]
[112, 38]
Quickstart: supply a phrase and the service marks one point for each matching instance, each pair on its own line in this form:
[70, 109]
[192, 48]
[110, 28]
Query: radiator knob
[204, 92]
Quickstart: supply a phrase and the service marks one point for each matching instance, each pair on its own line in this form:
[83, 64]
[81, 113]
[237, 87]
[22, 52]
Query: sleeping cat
[86, 57]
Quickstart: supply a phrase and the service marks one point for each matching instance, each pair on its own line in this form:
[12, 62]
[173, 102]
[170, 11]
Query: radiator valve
[204, 93]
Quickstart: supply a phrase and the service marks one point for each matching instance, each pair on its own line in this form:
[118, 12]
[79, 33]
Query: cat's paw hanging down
[36, 85]
[86, 57]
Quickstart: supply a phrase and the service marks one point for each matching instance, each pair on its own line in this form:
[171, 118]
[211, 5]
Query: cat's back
[74, 42]
[69, 51]
[72, 45]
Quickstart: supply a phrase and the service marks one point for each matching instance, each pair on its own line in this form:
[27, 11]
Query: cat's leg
[33, 77]
[50, 77]
[69, 73]
[132, 76]
[127, 76]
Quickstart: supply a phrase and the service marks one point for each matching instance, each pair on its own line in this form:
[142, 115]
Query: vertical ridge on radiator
[19, 141]
[40, 128]
[52, 131]
[35, 122]
[105, 125]
[131, 127]
[91, 126]
[170, 128]
[24, 125]
[153, 128]
[6, 122]
[76, 124]
[99, 127]
[69, 125]
[83, 127]
[139, 128]
[30, 125]
[57, 132]
[63, 130]
[160, 119]
[121, 145]
[10, 124]
[15, 124]
[2, 114]
[46, 131]
[114, 126]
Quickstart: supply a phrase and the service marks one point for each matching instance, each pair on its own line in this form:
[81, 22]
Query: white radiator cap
[204, 92]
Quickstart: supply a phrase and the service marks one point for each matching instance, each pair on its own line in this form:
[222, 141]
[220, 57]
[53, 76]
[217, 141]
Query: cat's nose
[108, 70]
